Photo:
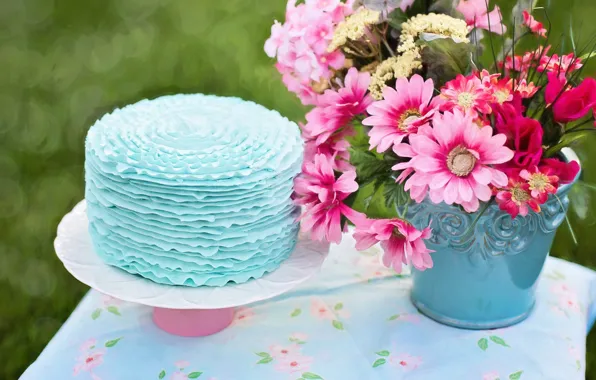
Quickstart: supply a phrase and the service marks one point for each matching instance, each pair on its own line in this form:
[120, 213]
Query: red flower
[575, 103]
[516, 198]
[541, 182]
[566, 171]
[524, 135]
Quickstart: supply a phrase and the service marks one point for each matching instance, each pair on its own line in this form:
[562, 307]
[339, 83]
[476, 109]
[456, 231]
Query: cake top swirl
[194, 138]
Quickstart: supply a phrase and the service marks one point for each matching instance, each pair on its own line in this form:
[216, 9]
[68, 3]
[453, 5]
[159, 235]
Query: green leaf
[393, 317]
[295, 313]
[516, 375]
[265, 360]
[395, 195]
[96, 313]
[112, 343]
[383, 353]
[263, 354]
[396, 18]
[498, 340]
[379, 362]
[162, 374]
[338, 325]
[483, 344]
[369, 166]
[310, 375]
[578, 365]
[194, 375]
[338, 306]
[444, 59]
[113, 310]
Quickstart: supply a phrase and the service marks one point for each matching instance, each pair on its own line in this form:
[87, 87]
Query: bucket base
[192, 323]
[470, 325]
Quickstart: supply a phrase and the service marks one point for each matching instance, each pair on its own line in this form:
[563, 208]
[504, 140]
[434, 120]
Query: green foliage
[444, 59]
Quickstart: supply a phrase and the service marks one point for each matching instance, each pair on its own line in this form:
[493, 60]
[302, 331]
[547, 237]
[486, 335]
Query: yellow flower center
[519, 195]
[406, 116]
[539, 182]
[466, 100]
[502, 96]
[460, 161]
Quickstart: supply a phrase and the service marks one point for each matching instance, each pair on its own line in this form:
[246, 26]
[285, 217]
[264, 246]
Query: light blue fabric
[193, 189]
[353, 321]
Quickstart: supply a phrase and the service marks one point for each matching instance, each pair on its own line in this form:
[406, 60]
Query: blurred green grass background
[64, 63]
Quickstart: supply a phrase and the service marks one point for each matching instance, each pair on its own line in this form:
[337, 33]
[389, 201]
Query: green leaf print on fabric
[498, 340]
[516, 375]
[263, 354]
[338, 306]
[162, 374]
[114, 310]
[383, 353]
[265, 360]
[96, 313]
[113, 342]
[194, 375]
[296, 313]
[393, 317]
[311, 376]
[337, 324]
[379, 362]
[483, 344]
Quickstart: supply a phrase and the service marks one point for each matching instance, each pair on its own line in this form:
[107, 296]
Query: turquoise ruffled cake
[193, 189]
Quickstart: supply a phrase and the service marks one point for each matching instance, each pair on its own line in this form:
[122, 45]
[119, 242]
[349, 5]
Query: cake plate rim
[74, 249]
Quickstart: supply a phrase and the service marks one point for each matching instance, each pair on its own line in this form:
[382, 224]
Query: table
[352, 321]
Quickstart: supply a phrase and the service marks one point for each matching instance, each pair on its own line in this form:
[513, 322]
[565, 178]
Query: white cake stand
[179, 310]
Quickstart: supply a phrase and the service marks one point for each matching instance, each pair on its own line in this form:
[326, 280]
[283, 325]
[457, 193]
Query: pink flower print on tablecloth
[494, 375]
[109, 304]
[320, 310]
[293, 364]
[284, 352]
[110, 301]
[179, 376]
[405, 361]
[370, 268]
[182, 364]
[243, 316]
[91, 357]
[567, 302]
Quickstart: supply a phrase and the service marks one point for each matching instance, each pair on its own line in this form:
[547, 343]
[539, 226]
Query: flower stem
[387, 46]
[475, 221]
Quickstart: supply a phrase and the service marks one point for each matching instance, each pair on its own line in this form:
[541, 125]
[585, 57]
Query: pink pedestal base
[192, 323]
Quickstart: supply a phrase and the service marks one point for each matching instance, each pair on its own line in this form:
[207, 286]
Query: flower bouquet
[470, 159]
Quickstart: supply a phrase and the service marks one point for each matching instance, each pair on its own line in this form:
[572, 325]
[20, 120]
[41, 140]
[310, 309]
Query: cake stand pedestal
[179, 310]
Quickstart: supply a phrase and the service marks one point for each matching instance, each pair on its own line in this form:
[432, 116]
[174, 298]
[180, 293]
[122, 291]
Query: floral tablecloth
[353, 321]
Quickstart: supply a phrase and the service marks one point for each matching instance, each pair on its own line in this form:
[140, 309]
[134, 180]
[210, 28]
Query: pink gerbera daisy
[322, 195]
[401, 112]
[517, 197]
[541, 181]
[466, 94]
[401, 242]
[453, 159]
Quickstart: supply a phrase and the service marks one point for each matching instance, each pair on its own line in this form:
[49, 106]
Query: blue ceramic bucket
[484, 277]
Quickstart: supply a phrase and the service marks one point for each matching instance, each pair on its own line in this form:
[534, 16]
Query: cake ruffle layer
[193, 190]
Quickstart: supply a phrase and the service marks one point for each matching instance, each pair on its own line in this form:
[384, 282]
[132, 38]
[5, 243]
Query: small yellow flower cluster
[432, 23]
[400, 66]
[353, 28]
